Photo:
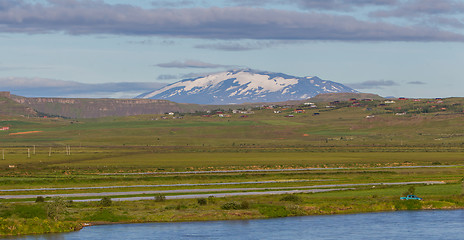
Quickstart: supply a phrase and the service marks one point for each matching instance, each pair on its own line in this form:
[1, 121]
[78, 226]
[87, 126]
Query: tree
[411, 191]
[56, 207]
[462, 180]
[202, 201]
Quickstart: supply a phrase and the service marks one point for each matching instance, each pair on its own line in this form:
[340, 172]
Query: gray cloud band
[373, 84]
[97, 17]
[35, 87]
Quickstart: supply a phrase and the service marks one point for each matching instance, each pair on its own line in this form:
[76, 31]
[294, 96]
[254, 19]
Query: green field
[344, 146]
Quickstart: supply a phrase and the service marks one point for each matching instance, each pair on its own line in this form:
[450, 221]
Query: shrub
[160, 198]
[296, 210]
[230, 206]
[273, 211]
[56, 207]
[202, 201]
[235, 206]
[106, 201]
[244, 205]
[291, 198]
[411, 191]
[212, 199]
[181, 206]
[462, 180]
[39, 199]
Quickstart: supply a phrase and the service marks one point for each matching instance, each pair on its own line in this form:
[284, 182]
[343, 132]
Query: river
[433, 224]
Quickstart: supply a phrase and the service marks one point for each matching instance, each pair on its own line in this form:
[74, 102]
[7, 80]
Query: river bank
[31, 218]
[423, 224]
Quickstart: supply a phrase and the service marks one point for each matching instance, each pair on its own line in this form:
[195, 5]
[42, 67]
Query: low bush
[411, 191]
[211, 199]
[272, 211]
[291, 198]
[181, 206]
[202, 201]
[244, 205]
[106, 201]
[230, 206]
[160, 198]
[235, 205]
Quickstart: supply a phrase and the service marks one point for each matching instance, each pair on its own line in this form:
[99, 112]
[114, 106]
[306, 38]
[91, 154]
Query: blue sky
[121, 48]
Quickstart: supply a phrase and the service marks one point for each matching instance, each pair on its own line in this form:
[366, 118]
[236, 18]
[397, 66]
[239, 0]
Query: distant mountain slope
[241, 86]
[329, 97]
[10, 107]
[95, 108]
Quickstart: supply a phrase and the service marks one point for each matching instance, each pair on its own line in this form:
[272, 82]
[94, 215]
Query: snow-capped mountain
[240, 86]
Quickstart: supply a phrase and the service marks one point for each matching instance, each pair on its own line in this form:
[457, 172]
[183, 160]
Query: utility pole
[33, 151]
[28, 153]
[68, 150]
[50, 152]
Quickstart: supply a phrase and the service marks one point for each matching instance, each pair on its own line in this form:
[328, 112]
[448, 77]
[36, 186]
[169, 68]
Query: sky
[123, 48]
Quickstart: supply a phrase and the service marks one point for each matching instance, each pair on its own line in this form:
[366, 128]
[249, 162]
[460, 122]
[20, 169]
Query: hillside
[362, 123]
[10, 107]
[330, 97]
[96, 108]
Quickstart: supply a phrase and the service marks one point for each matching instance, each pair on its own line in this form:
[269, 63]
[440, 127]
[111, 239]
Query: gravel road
[269, 190]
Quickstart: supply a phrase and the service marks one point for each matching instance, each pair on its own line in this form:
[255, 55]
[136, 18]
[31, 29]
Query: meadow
[347, 142]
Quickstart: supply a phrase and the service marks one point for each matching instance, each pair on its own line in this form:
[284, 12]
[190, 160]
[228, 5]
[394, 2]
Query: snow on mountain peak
[239, 86]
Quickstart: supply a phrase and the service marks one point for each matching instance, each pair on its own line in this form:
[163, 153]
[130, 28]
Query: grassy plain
[345, 144]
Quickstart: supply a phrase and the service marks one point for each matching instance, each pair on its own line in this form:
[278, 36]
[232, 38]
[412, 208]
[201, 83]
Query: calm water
[389, 225]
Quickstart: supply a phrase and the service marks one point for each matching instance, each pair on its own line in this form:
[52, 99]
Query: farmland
[264, 147]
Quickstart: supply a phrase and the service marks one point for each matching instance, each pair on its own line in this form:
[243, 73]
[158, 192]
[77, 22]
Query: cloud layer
[373, 84]
[191, 64]
[232, 22]
[41, 87]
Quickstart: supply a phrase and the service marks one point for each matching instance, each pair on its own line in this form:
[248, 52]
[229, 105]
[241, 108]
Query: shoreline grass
[78, 214]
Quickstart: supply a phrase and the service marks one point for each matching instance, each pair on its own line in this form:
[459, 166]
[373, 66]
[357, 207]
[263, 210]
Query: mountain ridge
[245, 85]
[14, 105]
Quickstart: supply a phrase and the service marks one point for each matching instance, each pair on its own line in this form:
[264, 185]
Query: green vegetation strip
[277, 170]
[102, 194]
